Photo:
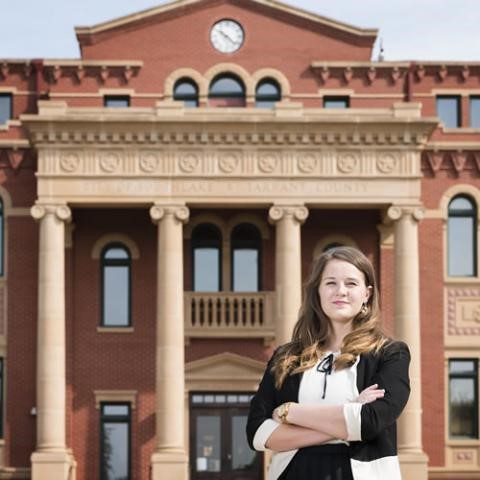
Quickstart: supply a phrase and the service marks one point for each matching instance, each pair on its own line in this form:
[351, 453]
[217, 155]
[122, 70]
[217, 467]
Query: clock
[227, 36]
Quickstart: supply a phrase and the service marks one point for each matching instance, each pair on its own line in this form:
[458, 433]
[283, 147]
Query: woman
[308, 409]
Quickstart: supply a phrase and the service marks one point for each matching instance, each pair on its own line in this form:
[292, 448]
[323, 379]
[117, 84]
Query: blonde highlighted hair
[313, 328]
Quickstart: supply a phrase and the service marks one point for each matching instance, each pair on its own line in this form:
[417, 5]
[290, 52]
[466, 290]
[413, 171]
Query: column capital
[180, 213]
[62, 212]
[396, 212]
[296, 212]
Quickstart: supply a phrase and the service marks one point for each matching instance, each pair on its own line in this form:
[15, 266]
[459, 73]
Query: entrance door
[218, 444]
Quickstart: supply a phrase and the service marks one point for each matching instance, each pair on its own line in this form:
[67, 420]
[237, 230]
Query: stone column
[170, 460]
[288, 267]
[51, 458]
[413, 460]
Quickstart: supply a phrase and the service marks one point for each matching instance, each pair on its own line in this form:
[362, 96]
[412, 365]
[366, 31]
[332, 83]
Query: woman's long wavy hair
[313, 328]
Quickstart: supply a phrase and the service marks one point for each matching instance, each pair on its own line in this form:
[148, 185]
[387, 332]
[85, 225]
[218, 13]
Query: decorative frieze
[208, 162]
[456, 160]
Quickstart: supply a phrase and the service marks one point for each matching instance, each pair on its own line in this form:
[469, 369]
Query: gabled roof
[85, 34]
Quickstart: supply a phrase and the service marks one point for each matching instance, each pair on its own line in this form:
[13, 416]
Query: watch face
[227, 36]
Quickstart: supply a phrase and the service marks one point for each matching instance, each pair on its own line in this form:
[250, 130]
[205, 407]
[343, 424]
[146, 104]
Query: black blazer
[388, 368]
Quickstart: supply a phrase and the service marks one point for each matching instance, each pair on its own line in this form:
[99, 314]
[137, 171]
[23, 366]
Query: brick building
[161, 201]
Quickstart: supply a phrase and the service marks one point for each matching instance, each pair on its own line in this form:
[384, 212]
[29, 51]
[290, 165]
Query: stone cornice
[288, 124]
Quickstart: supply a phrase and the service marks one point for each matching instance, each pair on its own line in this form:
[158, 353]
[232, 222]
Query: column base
[413, 465]
[52, 465]
[170, 464]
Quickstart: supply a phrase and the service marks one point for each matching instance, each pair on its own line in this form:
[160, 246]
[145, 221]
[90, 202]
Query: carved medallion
[267, 162]
[387, 162]
[307, 162]
[69, 162]
[347, 162]
[109, 162]
[148, 162]
[228, 162]
[188, 162]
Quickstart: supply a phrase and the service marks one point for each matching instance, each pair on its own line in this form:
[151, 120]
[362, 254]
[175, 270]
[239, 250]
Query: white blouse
[340, 389]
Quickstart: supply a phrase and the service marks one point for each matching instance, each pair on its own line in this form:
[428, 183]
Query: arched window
[332, 245]
[116, 286]
[226, 90]
[462, 237]
[246, 244]
[267, 93]
[186, 90]
[206, 248]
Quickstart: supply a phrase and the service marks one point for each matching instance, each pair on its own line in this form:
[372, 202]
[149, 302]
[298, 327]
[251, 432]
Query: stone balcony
[230, 315]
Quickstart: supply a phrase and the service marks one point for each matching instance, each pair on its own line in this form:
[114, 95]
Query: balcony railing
[229, 314]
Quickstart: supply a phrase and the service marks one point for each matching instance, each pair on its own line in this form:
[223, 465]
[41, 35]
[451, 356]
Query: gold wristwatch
[283, 412]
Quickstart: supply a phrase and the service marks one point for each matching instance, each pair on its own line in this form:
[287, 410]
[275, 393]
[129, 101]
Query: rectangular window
[116, 101]
[475, 112]
[115, 441]
[336, 102]
[6, 107]
[448, 110]
[463, 398]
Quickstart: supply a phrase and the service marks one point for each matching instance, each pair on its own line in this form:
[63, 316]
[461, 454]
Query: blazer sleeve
[261, 407]
[368, 420]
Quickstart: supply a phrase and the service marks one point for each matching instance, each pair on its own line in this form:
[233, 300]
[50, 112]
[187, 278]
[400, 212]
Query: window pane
[208, 444]
[463, 366]
[185, 88]
[475, 112]
[245, 270]
[116, 295]
[242, 457]
[115, 451]
[227, 86]
[116, 253]
[115, 410]
[461, 246]
[461, 203]
[5, 108]
[206, 270]
[463, 402]
[116, 102]
[448, 111]
[335, 102]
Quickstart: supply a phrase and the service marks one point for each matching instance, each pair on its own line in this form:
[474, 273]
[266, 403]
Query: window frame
[268, 98]
[458, 100]
[336, 98]
[226, 96]
[459, 214]
[186, 97]
[107, 98]
[194, 244]
[473, 375]
[470, 101]
[10, 115]
[232, 262]
[115, 262]
[104, 418]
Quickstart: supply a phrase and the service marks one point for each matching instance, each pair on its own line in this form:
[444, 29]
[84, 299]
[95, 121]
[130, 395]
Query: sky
[409, 29]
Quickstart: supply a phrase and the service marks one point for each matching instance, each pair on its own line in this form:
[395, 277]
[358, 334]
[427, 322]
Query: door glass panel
[208, 444]
[115, 451]
[206, 270]
[242, 457]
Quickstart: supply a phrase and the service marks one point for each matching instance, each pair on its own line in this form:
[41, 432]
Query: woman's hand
[370, 394]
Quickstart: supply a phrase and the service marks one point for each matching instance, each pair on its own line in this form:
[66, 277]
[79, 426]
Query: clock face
[227, 36]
